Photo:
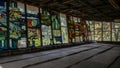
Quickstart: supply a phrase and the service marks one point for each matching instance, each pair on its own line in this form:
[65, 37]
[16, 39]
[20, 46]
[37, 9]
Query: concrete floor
[93, 55]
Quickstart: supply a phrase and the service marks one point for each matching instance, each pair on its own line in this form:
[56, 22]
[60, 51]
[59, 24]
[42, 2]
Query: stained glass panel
[17, 25]
[98, 31]
[116, 32]
[33, 23]
[46, 29]
[3, 23]
[64, 29]
[56, 28]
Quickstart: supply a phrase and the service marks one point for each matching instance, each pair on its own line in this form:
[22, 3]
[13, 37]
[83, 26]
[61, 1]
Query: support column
[102, 32]
[8, 16]
[68, 29]
[39, 14]
[60, 27]
[94, 30]
[111, 31]
[51, 27]
[25, 6]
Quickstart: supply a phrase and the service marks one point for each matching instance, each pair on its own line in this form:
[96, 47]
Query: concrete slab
[42, 58]
[67, 61]
[89, 55]
[100, 61]
[116, 64]
[25, 56]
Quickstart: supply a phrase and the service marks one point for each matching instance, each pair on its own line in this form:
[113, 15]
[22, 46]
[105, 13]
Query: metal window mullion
[51, 25]
[60, 27]
[68, 28]
[8, 24]
[102, 32]
[39, 14]
[111, 31]
[94, 30]
[25, 7]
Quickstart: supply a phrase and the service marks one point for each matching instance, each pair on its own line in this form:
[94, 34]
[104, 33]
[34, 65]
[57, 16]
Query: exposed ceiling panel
[88, 9]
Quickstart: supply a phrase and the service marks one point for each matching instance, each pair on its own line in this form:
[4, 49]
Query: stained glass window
[3, 25]
[3, 13]
[71, 31]
[64, 29]
[106, 36]
[91, 25]
[46, 33]
[98, 31]
[77, 30]
[89, 32]
[33, 26]
[106, 31]
[56, 28]
[106, 26]
[46, 28]
[115, 31]
[17, 25]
